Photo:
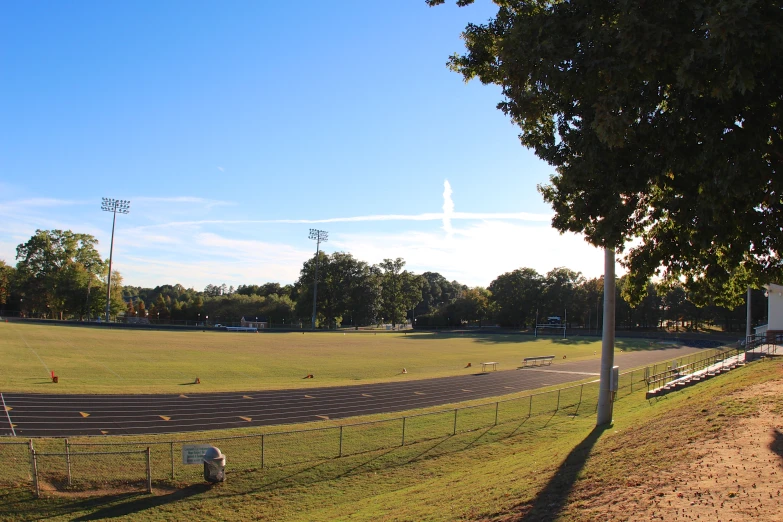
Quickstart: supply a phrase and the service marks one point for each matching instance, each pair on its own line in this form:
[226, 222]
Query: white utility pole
[605, 395]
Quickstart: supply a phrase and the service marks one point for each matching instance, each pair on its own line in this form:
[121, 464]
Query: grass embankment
[94, 360]
[539, 468]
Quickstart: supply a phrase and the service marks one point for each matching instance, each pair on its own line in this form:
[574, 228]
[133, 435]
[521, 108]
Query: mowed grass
[97, 360]
[542, 468]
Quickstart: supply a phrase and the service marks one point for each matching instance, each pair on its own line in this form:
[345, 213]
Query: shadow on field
[550, 501]
[776, 446]
[141, 503]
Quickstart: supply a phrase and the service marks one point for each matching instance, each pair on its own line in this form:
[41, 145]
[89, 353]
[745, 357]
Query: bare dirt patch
[734, 475]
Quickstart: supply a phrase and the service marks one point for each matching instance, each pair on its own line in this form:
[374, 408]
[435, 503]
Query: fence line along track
[58, 464]
[109, 469]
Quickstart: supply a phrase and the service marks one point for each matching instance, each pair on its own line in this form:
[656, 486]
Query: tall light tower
[318, 236]
[123, 207]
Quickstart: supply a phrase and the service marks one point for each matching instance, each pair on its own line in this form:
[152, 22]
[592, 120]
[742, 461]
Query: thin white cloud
[209, 203]
[448, 208]
[41, 203]
[221, 169]
[431, 216]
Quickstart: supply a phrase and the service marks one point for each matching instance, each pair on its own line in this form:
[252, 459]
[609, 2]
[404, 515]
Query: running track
[41, 415]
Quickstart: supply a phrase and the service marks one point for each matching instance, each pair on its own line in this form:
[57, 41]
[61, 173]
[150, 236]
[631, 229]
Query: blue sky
[233, 128]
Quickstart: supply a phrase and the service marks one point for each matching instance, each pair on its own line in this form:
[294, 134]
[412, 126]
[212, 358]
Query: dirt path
[737, 476]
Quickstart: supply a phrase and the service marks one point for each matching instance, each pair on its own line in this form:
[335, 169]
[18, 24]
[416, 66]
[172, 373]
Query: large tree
[347, 289]
[663, 123]
[400, 290]
[6, 277]
[57, 270]
[516, 296]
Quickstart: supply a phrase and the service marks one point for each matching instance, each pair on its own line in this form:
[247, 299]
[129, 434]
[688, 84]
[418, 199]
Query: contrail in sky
[448, 208]
[446, 217]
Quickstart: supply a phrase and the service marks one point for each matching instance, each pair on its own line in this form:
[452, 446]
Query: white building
[775, 309]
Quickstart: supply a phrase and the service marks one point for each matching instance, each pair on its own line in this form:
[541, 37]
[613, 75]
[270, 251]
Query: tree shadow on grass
[551, 500]
[776, 446]
[141, 503]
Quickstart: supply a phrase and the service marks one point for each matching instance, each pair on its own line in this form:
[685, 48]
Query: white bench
[492, 363]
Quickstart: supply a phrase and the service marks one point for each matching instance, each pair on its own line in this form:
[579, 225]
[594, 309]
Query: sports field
[95, 360]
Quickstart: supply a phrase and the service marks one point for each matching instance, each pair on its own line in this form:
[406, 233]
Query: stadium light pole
[123, 207]
[605, 399]
[318, 236]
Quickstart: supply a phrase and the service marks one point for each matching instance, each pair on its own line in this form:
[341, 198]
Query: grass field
[93, 360]
[544, 468]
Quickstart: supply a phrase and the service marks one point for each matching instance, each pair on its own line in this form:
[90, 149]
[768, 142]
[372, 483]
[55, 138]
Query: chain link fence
[91, 471]
[93, 464]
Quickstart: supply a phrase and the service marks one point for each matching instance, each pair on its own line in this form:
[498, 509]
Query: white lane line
[565, 372]
[13, 431]
[48, 371]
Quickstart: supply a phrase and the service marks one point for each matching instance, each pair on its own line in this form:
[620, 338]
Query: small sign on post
[614, 382]
[194, 453]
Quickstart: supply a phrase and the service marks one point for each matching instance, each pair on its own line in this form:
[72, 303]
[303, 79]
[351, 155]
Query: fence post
[68, 460]
[631, 381]
[581, 390]
[530, 407]
[497, 406]
[34, 466]
[149, 472]
[557, 408]
[262, 451]
[341, 442]
[403, 431]
[172, 460]
[454, 432]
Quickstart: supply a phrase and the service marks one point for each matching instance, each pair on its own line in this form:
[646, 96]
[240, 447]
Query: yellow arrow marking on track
[309, 397]
[104, 432]
[419, 393]
[248, 419]
[164, 417]
[84, 414]
[509, 387]
[324, 417]
[247, 397]
[463, 389]
[183, 397]
[366, 395]
[13, 425]
[8, 408]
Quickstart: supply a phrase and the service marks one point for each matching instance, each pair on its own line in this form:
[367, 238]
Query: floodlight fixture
[318, 236]
[114, 206]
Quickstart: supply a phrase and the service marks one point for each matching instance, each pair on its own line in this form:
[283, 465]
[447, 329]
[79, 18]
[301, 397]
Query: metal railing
[761, 345]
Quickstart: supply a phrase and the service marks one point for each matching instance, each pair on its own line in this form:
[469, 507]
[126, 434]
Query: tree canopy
[663, 124]
[57, 271]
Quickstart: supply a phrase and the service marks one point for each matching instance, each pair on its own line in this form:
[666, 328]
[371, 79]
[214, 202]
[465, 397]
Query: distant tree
[517, 294]
[560, 292]
[472, 305]
[213, 290]
[6, 278]
[57, 269]
[437, 292]
[400, 290]
[161, 310]
[141, 309]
